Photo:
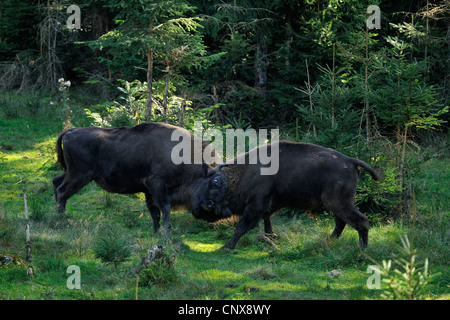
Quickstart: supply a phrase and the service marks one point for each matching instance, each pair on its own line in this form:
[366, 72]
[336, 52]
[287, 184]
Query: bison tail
[366, 167]
[59, 151]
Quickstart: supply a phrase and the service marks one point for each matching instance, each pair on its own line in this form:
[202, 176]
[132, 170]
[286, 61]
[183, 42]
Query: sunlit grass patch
[219, 275]
[279, 286]
[201, 247]
[251, 254]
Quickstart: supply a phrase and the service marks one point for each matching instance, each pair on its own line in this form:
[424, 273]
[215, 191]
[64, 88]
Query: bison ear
[204, 170]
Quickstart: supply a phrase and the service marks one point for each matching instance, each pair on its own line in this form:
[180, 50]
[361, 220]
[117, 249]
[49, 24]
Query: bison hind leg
[67, 188]
[358, 221]
[268, 229]
[154, 212]
[339, 227]
[355, 219]
[339, 199]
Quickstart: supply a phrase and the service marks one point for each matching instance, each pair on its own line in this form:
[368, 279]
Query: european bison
[130, 160]
[310, 177]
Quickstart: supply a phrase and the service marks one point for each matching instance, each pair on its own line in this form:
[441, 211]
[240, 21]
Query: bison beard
[310, 177]
[131, 160]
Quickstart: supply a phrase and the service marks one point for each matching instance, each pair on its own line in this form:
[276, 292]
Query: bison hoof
[166, 233]
[226, 247]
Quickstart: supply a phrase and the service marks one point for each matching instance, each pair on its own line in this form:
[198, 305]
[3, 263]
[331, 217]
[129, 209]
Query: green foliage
[402, 97]
[131, 104]
[129, 108]
[112, 247]
[328, 109]
[101, 114]
[38, 211]
[408, 281]
[382, 197]
[159, 26]
[160, 272]
[219, 55]
[17, 106]
[8, 230]
[17, 28]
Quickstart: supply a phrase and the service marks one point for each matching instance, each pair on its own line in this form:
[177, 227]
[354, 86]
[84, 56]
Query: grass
[254, 270]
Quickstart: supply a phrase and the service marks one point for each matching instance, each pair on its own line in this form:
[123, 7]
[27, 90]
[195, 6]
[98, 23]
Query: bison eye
[215, 182]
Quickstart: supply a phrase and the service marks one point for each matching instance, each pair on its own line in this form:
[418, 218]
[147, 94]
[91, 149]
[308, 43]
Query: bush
[408, 281]
[158, 273]
[122, 118]
[380, 197]
[112, 248]
[157, 267]
[38, 209]
[8, 230]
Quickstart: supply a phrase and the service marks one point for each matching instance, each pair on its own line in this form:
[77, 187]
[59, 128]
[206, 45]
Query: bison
[309, 177]
[131, 160]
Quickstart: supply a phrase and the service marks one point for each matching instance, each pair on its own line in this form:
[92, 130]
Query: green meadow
[307, 265]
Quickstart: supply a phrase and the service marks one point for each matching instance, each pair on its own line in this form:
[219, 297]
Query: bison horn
[220, 166]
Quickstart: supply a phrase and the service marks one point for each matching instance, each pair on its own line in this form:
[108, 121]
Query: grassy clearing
[254, 270]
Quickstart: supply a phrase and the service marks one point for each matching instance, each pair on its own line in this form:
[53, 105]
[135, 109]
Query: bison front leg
[166, 219]
[249, 220]
[154, 212]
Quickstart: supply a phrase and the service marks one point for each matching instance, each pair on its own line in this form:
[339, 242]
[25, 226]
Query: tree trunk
[402, 140]
[181, 114]
[149, 75]
[366, 86]
[333, 78]
[311, 108]
[261, 66]
[101, 21]
[166, 94]
[149, 81]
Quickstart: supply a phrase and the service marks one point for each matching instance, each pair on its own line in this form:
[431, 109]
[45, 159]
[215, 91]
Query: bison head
[209, 192]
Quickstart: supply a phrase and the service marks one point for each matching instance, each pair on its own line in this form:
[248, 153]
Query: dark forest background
[311, 68]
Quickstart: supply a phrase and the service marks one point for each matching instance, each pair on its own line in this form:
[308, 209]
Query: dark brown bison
[309, 177]
[130, 160]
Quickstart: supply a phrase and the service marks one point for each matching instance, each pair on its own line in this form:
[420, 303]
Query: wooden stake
[27, 235]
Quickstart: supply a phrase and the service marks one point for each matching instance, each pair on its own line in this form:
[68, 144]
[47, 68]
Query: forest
[370, 79]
